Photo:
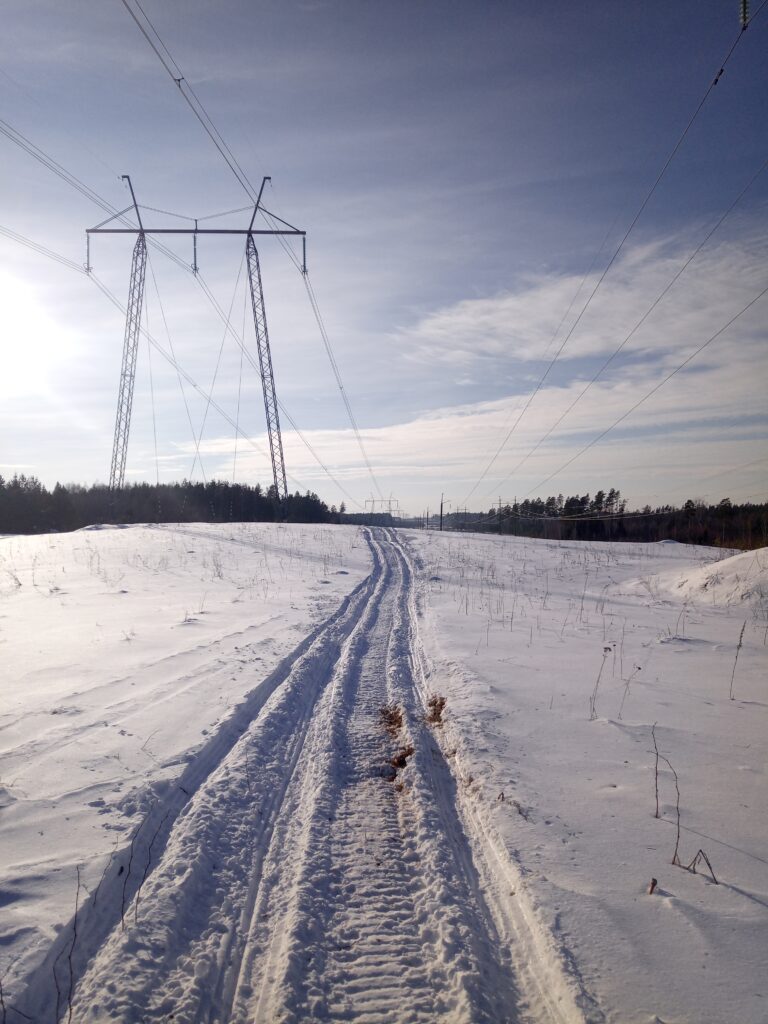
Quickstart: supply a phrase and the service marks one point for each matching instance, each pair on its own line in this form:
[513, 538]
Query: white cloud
[527, 323]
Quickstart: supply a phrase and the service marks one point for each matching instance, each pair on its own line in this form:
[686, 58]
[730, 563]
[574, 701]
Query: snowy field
[556, 660]
[205, 815]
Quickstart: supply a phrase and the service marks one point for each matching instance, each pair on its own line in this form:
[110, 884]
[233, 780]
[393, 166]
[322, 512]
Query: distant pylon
[128, 370]
[265, 368]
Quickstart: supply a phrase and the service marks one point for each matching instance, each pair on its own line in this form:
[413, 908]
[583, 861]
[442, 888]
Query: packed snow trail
[321, 870]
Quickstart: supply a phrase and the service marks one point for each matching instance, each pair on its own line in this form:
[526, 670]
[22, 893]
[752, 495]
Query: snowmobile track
[321, 867]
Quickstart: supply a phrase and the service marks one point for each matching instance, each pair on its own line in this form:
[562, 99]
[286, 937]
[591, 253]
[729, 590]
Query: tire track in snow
[380, 910]
[151, 943]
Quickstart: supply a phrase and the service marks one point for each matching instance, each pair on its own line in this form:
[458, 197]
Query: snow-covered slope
[741, 580]
[556, 660]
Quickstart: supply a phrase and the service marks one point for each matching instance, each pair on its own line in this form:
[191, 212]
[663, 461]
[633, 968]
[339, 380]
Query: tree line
[605, 517]
[27, 506]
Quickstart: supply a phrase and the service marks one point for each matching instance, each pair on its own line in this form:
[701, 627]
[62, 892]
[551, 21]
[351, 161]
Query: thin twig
[676, 854]
[134, 837]
[104, 872]
[738, 648]
[702, 856]
[147, 866]
[656, 773]
[593, 698]
[72, 949]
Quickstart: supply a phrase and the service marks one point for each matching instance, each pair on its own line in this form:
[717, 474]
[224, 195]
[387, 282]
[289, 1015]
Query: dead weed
[436, 705]
[391, 718]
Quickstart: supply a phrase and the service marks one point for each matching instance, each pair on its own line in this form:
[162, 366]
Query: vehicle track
[382, 915]
[322, 871]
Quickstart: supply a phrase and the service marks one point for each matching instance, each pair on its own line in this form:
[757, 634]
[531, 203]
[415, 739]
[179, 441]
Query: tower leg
[128, 370]
[265, 368]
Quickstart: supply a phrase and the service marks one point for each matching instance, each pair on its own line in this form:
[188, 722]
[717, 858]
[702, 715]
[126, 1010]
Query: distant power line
[652, 392]
[622, 242]
[639, 323]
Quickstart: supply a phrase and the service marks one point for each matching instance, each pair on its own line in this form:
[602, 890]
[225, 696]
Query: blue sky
[465, 171]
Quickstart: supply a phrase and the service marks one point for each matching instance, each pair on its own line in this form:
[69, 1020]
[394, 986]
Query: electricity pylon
[133, 328]
[128, 368]
[265, 369]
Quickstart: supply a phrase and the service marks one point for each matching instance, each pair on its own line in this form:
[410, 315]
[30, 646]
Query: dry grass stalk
[436, 705]
[738, 648]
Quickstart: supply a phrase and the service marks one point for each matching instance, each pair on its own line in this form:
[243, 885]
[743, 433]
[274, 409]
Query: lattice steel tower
[133, 329]
[130, 351]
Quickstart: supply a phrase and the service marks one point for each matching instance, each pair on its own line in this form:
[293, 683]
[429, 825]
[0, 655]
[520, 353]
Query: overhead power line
[627, 233]
[175, 73]
[640, 322]
[172, 361]
[340, 383]
[652, 392]
[42, 250]
[563, 318]
[48, 161]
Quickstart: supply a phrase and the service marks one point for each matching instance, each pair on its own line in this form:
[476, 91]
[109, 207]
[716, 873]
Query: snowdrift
[741, 579]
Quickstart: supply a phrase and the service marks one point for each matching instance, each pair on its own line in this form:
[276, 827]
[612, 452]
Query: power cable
[173, 353]
[152, 395]
[218, 364]
[42, 250]
[175, 72]
[192, 383]
[42, 157]
[172, 361]
[284, 412]
[631, 227]
[240, 381]
[652, 392]
[564, 317]
[337, 374]
[640, 322]
[190, 97]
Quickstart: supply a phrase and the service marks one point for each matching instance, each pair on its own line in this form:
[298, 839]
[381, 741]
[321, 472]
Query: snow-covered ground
[556, 659]
[124, 652]
[193, 757]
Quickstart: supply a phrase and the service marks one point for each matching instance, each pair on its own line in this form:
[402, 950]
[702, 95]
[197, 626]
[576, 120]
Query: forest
[27, 506]
[605, 517]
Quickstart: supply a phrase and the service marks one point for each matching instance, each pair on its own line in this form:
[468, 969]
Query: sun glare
[34, 344]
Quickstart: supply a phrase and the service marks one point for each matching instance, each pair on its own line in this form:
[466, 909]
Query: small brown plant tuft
[400, 759]
[391, 718]
[436, 705]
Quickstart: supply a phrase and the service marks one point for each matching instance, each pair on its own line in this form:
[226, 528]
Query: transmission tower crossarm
[266, 371]
[128, 368]
[190, 231]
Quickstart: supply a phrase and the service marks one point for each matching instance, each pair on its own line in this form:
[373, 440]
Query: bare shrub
[391, 718]
[436, 705]
[400, 758]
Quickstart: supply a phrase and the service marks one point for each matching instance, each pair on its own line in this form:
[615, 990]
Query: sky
[466, 173]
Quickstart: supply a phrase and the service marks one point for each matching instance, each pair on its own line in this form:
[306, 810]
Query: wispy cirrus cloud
[528, 324]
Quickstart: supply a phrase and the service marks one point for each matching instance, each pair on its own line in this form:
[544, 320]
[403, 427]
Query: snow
[192, 753]
[518, 634]
[124, 650]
